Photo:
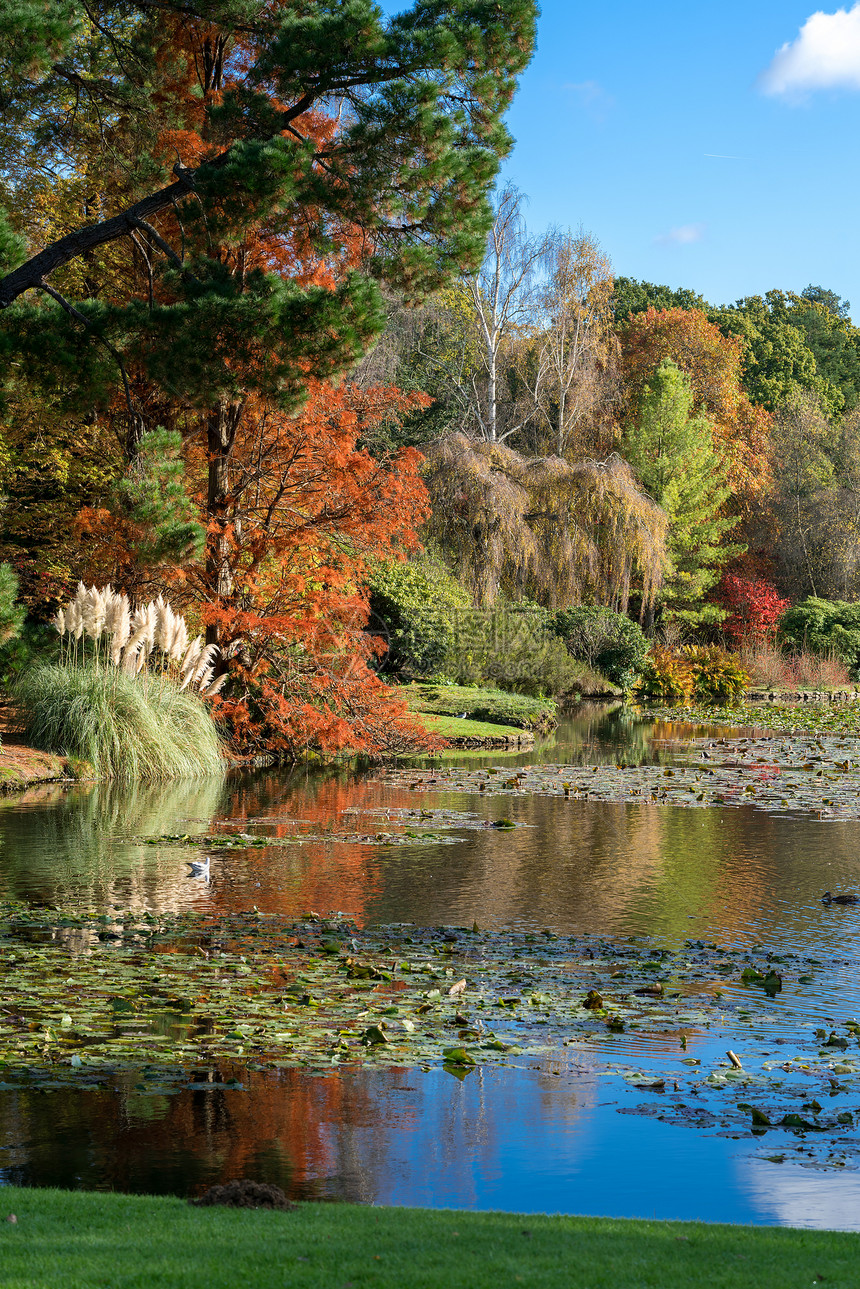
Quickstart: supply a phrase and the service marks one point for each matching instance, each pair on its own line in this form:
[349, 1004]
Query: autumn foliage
[309, 509]
[712, 362]
[753, 603]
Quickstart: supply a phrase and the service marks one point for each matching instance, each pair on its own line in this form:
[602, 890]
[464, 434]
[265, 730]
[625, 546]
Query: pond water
[557, 1134]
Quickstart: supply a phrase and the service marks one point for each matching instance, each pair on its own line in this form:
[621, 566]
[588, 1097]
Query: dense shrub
[718, 676]
[609, 642]
[707, 674]
[124, 727]
[510, 647]
[18, 639]
[11, 613]
[413, 609]
[753, 604]
[824, 627]
[666, 676]
[36, 642]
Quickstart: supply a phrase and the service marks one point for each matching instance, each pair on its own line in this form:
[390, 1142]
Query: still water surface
[552, 1136]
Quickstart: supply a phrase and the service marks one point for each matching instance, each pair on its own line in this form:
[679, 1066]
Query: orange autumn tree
[712, 362]
[283, 161]
[308, 510]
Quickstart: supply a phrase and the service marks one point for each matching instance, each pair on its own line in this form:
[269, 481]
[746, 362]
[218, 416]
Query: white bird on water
[199, 867]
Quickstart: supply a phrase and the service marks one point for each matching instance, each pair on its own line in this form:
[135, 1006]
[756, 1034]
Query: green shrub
[706, 673]
[124, 727]
[36, 642]
[824, 627]
[413, 609]
[510, 648]
[718, 675]
[607, 641]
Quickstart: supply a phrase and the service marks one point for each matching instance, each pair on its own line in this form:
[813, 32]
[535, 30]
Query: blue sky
[693, 150]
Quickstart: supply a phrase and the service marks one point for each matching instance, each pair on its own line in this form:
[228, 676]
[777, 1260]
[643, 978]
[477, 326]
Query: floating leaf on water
[457, 1056]
[374, 1035]
[797, 1121]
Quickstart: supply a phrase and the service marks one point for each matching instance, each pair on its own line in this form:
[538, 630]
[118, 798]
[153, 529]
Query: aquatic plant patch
[791, 718]
[403, 828]
[156, 1004]
[801, 772]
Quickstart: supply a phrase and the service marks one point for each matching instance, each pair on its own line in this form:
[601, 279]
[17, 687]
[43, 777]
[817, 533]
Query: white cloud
[685, 235]
[825, 55]
[593, 97]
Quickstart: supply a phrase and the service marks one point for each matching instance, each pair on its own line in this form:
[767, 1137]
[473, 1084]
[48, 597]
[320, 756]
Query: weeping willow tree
[542, 528]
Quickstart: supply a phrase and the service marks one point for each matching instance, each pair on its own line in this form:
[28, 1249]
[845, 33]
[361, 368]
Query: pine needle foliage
[541, 528]
[124, 729]
[674, 455]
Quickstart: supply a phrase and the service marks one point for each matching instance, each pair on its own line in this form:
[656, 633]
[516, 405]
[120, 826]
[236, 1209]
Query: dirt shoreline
[23, 767]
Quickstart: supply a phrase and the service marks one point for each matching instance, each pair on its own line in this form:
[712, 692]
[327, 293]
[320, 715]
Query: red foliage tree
[753, 603]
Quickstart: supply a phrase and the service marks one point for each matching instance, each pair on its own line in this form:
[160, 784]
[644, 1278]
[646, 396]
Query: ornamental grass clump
[127, 694]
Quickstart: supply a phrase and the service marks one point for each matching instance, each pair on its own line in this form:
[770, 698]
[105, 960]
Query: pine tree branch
[115, 354]
[32, 274]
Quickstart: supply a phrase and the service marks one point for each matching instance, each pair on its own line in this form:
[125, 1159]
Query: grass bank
[487, 706]
[460, 732]
[88, 1241]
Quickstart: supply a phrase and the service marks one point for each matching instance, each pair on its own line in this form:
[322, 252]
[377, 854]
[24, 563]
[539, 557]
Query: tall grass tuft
[125, 730]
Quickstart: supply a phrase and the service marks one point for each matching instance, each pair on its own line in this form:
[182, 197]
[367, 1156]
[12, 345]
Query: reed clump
[127, 694]
[772, 667]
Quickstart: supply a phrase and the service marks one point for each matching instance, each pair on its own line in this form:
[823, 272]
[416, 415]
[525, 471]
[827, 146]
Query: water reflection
[795, 1196]
[541, 1140]
[546, 1138]
[734, 875]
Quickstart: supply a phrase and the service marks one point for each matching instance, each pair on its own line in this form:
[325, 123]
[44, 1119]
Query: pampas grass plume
[135, 633]
[203, 671]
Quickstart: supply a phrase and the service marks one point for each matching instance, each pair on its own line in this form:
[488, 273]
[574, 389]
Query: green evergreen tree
[11, 613]
[152, 495]
[673, 455]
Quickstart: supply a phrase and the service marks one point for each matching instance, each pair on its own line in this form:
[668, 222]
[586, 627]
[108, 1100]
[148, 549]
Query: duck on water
[827, 898]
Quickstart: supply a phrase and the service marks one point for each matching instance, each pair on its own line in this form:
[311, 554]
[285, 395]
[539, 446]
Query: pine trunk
[221, 426]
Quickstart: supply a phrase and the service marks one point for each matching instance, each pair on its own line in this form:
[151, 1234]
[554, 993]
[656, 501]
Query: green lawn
[76, 1240]
[495, 706]
[455, 727]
